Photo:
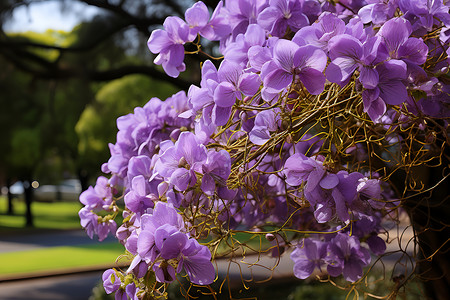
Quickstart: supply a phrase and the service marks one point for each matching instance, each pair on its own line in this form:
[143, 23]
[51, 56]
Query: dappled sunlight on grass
[54, 215]
[58, 258]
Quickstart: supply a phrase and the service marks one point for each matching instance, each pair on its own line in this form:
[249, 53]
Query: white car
[67, 190]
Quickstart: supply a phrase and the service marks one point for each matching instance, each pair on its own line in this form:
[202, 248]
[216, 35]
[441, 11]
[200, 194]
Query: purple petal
[220, 115]
[190, 148]
[249, 83]
[393, 92]
[345, 45]
[314, 178]
[197, 15]
[368, 77]
[208, 184]
[268, 17]
[323, 213]
[313, 80]
[414, 50]
[340, 69]
[394, 33]
[259, 135]
[229, 71]
[352, 270]
[376, 244]
[257, 56]
[177, 29]
[284, 54]
[225, 94]
[310, 57]
[145, 242]
[303, 268]
[255, 35]
[373, 105]
[197, 263]
[159, 40]
[278, 80]
[173, 245]
[297, 20]
[165, 213]
[329, 181]
[181, 179]
[341, 206]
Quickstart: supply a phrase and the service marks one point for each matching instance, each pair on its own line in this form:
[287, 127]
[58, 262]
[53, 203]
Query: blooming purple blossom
[307, 256]
[292, 62]
[94, 224]
[265, 122]
[282, 14]
[348, 257]
[111, 282]
[169, 44]
[178, 164]
[98, 197]
[163, 238]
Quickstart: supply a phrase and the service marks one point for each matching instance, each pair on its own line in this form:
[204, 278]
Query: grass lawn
[55, 215]
[60, 258]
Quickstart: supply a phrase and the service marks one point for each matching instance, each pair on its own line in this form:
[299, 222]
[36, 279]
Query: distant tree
[97, 127]
[127, 24]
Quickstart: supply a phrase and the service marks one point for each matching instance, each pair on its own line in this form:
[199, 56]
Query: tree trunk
[10, 197]
[83, 176]
[430, 217]
[28, 191]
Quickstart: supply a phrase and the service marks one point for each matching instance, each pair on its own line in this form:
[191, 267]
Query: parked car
[67, 190]
[16, 189]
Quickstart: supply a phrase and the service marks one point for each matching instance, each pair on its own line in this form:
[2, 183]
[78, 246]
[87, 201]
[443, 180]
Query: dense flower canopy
[278, 138]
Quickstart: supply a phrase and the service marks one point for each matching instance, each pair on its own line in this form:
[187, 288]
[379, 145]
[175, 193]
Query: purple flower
[307, 256]
[378, 12]
[111, 282]
[265, 122]
[178, 163]
[390, 89]
[299, 168]
[242, 13]
[216, 170]
[347, 257]
[93, 224]
[347, 54]
[282, 14]
[98, 197]
[238, 50]
[320, 32]
[196, 261]
[163, 238]
[292, 62]
[140, 197]
[233, 83]
[397, 44]
[218, 27]
[196, 18]
[169, 44]
[425, 13]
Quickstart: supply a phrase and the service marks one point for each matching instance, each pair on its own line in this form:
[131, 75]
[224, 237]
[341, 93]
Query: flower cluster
[294, 129]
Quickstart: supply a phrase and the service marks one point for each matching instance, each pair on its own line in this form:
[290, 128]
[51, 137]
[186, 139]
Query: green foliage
[97, 125]
[25, 147]
[49, 37]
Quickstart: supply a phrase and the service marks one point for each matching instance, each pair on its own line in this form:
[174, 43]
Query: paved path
[73, 287]
[32, 241]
